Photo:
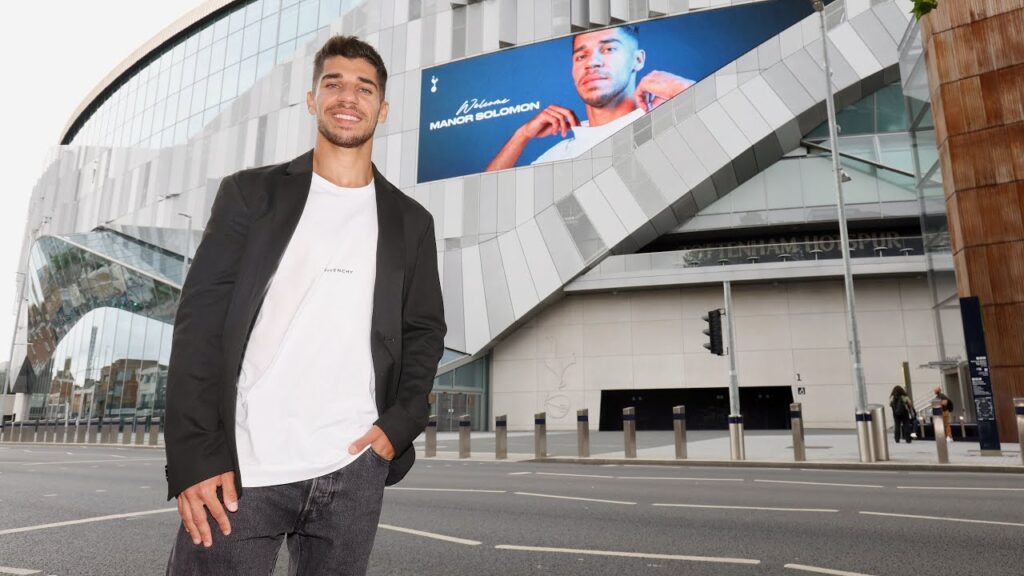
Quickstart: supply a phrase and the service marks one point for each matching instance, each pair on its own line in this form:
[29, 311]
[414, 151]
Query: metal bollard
[940, 432]
[81, 427]
[39, 432]
[540, 435]
[583, 433]
[154, 432]
[501, 437]
[864, 444]
[879, 437]
[93, 430]
[19, 432]
[431, 438]
[737, 443]
[4, 430]
[1018, 408]
[465, 425]
[140, 430]
[679, 430]
[48, 431]
[105, 430]
[796, 417]
[61, 431]
[629, 431]
[126, 430]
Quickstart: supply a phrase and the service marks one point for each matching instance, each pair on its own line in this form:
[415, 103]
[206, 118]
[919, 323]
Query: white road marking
[837, 471]
[747, 508]
[679, 478]
[18, 571]
[518, 473]
[918, 517]
[405, 488]
[820, 483]
[61, 462]
[48, 495]
[818, 570]
[573, 475]
[143, 487]
[432, 535]
[101, 490]
[618, 554]
[85, 521]
[575, 498]
[961, 488]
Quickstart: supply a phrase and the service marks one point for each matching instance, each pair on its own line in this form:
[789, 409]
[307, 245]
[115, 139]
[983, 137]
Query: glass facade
[99, 331]
[184, 85]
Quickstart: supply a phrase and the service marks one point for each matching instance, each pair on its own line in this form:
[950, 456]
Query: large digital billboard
[556, 99]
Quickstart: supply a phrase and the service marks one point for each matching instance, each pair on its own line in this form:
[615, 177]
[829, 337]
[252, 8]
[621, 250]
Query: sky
[53, 54]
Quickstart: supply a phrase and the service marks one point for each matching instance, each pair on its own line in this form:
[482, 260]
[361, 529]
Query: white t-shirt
[306, 389]
[584, 138]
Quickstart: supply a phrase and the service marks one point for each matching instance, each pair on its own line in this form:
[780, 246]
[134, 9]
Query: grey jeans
[330, 523]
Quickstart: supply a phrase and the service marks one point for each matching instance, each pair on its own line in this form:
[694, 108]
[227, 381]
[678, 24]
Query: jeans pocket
[378, 457]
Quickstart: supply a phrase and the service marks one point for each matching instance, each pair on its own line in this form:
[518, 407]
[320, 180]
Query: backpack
[949, 404]
[899, 407]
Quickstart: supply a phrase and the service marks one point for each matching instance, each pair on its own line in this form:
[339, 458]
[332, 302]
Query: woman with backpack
[902, 408]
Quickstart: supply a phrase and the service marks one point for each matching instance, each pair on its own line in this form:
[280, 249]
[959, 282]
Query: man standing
[947, 408]
[305, 346]
[605, 64]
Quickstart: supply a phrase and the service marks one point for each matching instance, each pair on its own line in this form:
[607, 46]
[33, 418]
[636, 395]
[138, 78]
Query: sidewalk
[825, 448]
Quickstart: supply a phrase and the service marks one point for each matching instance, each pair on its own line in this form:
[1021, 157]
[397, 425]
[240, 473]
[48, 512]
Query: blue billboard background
[510, 87]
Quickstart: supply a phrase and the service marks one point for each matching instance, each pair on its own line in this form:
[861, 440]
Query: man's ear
[382, 116]
[311, 103]
[639, 58]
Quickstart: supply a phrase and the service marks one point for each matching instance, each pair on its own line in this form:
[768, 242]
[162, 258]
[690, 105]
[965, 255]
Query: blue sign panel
[554, 100]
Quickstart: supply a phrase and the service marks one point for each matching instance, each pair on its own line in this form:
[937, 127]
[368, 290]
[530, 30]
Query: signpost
[981, 382]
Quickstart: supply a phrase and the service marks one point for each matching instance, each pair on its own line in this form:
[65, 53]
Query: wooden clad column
[975, 55]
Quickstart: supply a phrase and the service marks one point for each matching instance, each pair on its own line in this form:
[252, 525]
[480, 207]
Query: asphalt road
[451, 517]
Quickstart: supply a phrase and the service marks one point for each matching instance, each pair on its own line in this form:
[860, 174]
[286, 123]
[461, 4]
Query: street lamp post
[862, 415]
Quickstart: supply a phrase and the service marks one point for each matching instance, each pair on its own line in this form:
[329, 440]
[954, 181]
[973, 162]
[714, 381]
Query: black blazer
[252, 220]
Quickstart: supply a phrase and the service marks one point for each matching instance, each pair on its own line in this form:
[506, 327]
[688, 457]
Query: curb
[840, 465]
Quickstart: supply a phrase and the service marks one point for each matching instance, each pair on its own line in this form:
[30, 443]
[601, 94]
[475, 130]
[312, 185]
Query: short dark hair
[631, 30]
[349, 47]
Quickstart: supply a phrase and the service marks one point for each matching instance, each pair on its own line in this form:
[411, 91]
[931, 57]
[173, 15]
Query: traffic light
[714, 332]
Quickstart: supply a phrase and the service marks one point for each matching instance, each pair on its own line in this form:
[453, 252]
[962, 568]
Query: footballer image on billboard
[556, 99]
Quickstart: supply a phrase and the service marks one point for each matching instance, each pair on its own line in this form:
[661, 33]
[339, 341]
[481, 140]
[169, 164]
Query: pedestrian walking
[902, 409]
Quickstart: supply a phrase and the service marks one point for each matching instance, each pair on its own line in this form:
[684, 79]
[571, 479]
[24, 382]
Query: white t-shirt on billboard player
[584, 137]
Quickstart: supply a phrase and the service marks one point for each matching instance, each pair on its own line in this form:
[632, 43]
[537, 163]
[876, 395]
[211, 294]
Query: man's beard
[601, 100]
[346, 141]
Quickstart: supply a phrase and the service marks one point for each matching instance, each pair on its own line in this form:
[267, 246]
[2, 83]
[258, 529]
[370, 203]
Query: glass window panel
[251, 43]
[199, 96]
[152, 91]
[220, 29]
[271, 6]
[253, 12]
[170, 111]
[195, 124]
[165, 60]
[246, 74]
[213, 89]
[309, 10]
[203, 63]
[268, 32]
[233, 49]
[188, 71]
[304, 39]
[229, 87]
[857, 118]
[266, 62]
[286, 3]
[892, 110]
[181, 132]
[217, 54]
[184, 103]
[206, 37]
[163, 84]
[174, 78]
[147, 122]
[330, 10]
[236, 21]
[289, 23]
[178, 54]
[285, 51]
